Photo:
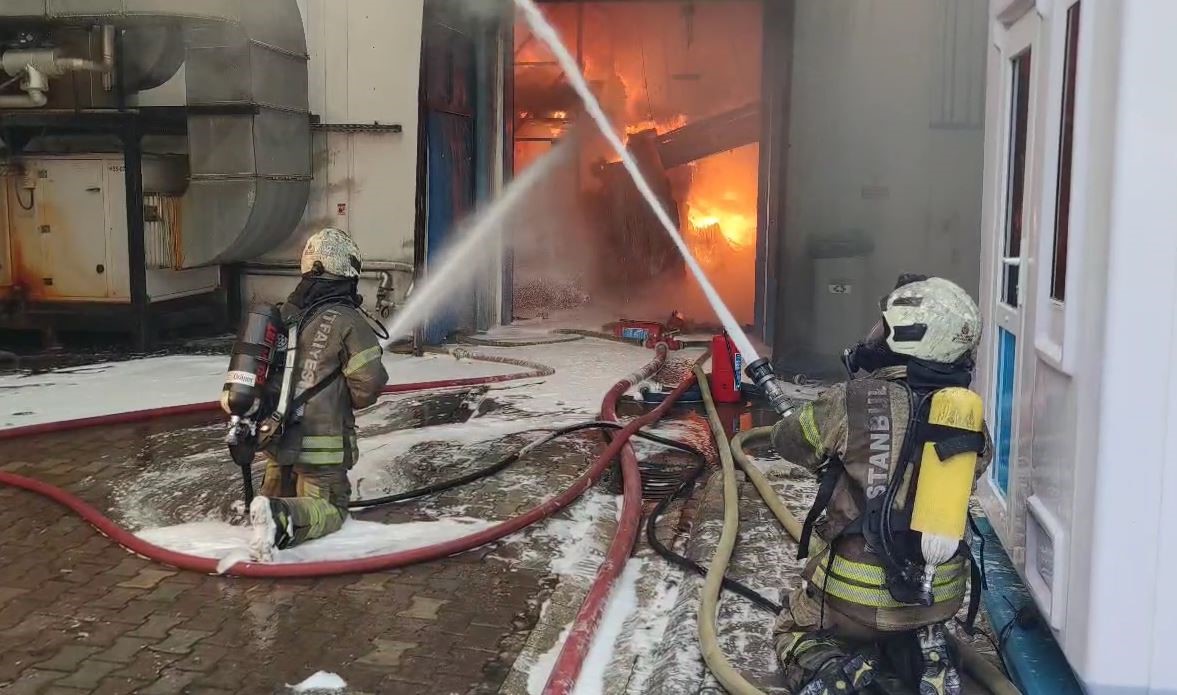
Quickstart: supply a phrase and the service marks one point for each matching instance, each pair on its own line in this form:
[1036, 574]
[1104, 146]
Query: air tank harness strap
[278, 418]
[251, 349]
[950, 441]
[830, 473]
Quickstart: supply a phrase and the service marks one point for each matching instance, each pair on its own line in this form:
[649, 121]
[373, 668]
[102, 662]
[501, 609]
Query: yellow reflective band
[359, 360]
[809, 428]
[330, 441]
[322, 458]
[879, 597]
[865, 584]
[865, 573]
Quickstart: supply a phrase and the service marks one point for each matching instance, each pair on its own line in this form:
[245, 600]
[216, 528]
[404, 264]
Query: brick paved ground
[78, 614]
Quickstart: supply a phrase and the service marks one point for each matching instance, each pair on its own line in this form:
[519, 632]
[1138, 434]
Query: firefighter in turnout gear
[337, 370]
[897, 451]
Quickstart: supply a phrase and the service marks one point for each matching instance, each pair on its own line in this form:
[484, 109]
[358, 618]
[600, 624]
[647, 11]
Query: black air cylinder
[251, 361]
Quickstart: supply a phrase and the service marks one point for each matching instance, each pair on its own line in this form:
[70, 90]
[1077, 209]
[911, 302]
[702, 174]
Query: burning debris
[689, 107]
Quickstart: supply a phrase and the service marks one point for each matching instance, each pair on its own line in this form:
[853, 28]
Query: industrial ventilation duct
[248, 119]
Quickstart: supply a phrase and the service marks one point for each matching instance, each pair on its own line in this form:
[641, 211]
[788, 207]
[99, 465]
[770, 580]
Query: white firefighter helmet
[933, 320]
[335, 251]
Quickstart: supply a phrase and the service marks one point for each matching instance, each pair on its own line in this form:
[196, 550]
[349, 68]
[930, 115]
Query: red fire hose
[377, 562]
[580, 638]
[535, 369]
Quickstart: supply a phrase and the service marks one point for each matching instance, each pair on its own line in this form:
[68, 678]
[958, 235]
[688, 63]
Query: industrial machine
[145, 146]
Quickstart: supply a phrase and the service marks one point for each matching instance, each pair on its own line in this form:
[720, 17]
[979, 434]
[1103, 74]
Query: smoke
[483, 11]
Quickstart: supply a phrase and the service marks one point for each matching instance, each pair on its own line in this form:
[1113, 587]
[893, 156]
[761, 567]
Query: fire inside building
[162, 166]
[683, 81]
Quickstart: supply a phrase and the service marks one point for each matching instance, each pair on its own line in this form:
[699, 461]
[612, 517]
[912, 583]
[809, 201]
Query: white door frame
[1008, 42]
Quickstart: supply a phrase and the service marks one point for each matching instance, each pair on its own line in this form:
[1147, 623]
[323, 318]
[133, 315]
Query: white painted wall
[1097, 440]
[886, 137]
[365, 58]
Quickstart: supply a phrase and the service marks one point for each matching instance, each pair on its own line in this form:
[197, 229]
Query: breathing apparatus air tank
[243, 394]
[941, 507]
[245, 397]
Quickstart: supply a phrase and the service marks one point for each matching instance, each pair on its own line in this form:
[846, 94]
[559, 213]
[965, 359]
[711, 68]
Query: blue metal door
[448, 61]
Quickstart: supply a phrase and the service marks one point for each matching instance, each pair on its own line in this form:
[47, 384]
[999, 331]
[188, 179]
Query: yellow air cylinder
[943, 487]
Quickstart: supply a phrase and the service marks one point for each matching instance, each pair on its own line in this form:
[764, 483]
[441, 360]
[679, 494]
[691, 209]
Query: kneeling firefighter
[319, 361]
[898, 452]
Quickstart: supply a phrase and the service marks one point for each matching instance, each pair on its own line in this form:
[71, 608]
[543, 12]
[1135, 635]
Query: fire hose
[374, 563]
[708, 612]
[584, 626]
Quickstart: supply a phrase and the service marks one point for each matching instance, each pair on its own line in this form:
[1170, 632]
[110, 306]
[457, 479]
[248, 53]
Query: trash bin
[839, 281]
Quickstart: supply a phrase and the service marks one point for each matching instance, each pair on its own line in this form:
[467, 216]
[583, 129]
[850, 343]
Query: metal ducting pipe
[248, 126]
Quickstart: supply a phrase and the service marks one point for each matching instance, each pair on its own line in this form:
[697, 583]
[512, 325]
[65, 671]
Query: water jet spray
[763, 374]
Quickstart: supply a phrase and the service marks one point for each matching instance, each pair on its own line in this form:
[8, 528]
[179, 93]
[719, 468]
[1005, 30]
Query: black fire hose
[479, 474]
[504, 463]
[684, 485]
[683, 562]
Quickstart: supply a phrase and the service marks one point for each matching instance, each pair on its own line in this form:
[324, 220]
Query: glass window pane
[1015, 185]
[1004, 408]
[1062, 210]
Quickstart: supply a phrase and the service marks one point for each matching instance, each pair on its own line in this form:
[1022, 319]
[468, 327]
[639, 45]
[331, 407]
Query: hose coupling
[761, 373]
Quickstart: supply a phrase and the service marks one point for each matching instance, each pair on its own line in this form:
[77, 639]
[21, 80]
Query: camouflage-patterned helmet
[335, 251]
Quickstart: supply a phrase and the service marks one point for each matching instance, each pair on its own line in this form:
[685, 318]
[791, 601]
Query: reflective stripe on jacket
[863, 423]
[337, 341]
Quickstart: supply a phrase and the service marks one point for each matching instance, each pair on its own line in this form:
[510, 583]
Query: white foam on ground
[160, 382]
[623, 602]
[573, 541]
[537, 677]
[357, 539]
[585, 370]
[321, 682]
[112, 387]
[649, 630]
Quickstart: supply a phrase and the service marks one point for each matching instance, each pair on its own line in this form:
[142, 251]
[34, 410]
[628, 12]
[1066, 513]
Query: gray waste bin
[839, 281]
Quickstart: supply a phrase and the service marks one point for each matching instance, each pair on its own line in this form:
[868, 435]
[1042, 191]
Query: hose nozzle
[762, 374]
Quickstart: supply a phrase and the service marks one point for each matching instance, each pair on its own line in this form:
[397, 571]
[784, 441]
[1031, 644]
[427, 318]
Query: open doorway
[682, 81]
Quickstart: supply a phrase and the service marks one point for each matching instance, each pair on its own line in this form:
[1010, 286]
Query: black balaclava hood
[318, 287]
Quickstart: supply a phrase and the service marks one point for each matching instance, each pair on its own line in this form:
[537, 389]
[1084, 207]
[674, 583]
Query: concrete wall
[886, 137]
[365, 58]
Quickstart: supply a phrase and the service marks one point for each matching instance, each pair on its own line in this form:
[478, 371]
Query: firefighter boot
[271, 528]
[940, 676]
[820, 665]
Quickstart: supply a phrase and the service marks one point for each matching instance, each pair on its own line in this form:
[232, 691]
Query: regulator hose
[373, 563]
[976, 665]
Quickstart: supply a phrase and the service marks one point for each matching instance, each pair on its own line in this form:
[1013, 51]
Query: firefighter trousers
[822, 655]
[313, 499]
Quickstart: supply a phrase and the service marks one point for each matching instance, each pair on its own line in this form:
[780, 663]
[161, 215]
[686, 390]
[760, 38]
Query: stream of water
[546, 33]
[460, 264]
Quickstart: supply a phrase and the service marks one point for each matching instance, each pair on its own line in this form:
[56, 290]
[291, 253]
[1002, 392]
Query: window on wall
[1004, 408]
[1016, 176]
[1062, 208]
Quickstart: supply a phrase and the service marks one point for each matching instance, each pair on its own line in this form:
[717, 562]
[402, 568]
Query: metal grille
[164, 231]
